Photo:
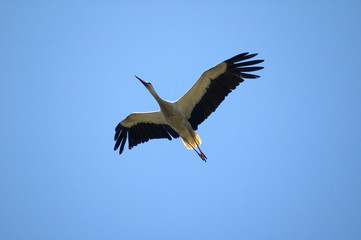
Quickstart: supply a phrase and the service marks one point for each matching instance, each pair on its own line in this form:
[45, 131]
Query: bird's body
[182, 117]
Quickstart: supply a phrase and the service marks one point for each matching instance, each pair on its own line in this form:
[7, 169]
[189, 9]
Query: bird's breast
[179, 124]
[176, 119]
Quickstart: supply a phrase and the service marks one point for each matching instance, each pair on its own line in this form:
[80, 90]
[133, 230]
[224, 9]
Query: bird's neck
[156, 96]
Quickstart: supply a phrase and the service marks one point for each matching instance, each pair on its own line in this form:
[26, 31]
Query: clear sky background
[284, 151]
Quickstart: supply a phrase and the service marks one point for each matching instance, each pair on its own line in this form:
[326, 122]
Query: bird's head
[146, 84]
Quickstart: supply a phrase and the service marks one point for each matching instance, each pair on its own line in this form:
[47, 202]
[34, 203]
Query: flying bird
[181, 118]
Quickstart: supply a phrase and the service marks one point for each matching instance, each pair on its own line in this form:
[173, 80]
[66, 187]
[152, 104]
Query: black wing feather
[140, 133]
[221, 86]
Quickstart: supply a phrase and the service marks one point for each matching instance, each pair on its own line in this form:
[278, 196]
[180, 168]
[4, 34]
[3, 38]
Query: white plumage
[182, 117]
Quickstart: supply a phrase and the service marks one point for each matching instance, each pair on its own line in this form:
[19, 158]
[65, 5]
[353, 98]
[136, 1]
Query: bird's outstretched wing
[140, 127]
[214, 85]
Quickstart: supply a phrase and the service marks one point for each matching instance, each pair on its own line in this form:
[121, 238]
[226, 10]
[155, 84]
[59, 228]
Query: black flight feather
[221, 86]
[140, 133]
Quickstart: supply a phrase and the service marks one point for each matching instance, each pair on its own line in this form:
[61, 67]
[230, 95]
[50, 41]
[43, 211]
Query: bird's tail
[193, 142]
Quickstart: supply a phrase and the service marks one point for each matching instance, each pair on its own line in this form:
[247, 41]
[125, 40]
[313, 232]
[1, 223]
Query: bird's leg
[197, 141]
[200, 154]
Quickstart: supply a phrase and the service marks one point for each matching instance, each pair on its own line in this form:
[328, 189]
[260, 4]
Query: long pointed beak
[144, 82]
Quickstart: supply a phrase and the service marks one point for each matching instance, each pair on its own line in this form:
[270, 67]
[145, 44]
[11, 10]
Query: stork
[181, 118]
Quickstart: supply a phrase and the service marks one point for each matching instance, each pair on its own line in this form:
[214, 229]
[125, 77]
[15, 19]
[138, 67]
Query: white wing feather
[196, 92]
[155, 117]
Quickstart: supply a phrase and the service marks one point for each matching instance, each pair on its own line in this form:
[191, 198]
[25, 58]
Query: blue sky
[284, 151]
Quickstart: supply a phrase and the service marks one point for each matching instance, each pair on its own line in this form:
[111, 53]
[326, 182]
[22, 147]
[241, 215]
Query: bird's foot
[203, 157]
